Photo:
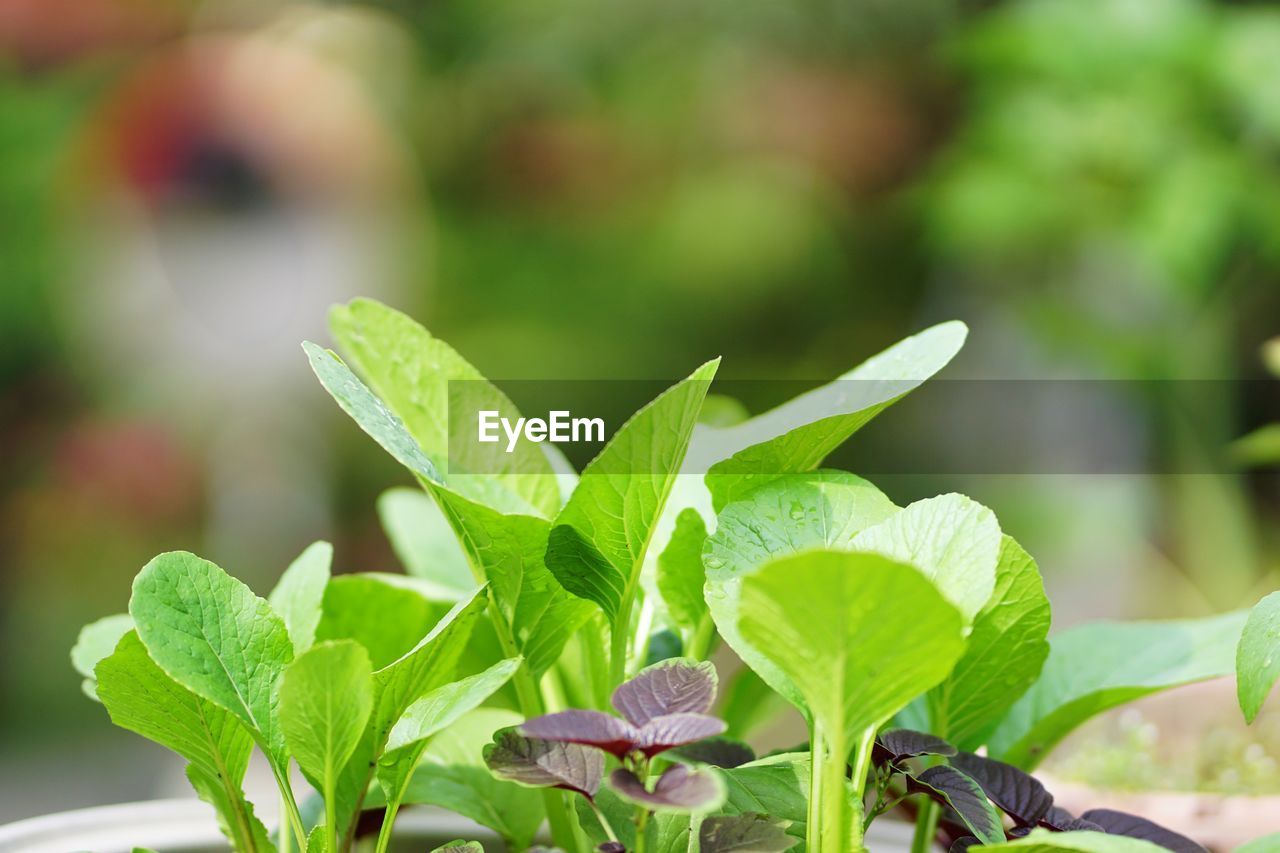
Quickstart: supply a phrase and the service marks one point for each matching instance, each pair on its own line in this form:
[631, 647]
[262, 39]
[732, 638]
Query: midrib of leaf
[235, 797]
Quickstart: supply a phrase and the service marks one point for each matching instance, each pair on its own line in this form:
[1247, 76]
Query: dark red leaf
[671, 687]
[672, 730]
[1018, 794]
[544, 764]
[1061, 820]
[718, 752]
[960, 845]
[897, 744]
[677, 788]
[962, 795]
[590, 728]
[1120, 823]
[745, 833]
[611, 847]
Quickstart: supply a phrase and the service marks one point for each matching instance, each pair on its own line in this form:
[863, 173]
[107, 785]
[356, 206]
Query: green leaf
[460, 846]
[383, 613]
[1104, 664]
[799, 434]
[837, 625]
[141, 698]
[326, 698]
[789, 514]
[777, 786]
[437, 394]
[97, 640]
[681, 576]
[1044, 841]
[424, 541]
[370, 413]
[236, 817]
[955, 541]
[299, 593]
[431, 663]
[212, 635]
[612, 512]
[1003, 657]
[432, 714]
[1258, 656]
[509, 552]
[452, 775]
[1265, 844]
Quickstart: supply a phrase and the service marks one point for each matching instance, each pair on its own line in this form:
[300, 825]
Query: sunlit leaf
[299, 593]
[1258, 656]
[670, 687]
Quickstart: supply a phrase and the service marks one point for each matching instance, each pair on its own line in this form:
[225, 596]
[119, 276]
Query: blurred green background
[573, 189]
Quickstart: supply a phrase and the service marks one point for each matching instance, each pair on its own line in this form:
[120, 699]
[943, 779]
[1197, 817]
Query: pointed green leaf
[425, 543]
[621, 494]
[955, 541]
[681, 576]
[97, 640]
[432, 714]
[326, 698]
[1100, 665]
[299, 593]
[790, 514]
[1258, 656]
[777, 786]
[141, 698]
[436, 394]
[799, 434]
[509, 552]
[1003, 658]
[836, 625]
[212, 635]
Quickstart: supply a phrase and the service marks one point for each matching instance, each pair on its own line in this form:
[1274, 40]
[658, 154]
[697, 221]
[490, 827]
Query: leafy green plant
[912, 640]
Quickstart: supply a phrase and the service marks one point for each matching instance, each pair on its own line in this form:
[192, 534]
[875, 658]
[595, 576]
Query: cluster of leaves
[859, 613]
[974, 791]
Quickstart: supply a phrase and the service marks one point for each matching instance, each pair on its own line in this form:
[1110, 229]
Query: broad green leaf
[326, 698]
[1003, 657]
[141, 698]
[380, 612]
[437, 395]
[1258, 656]
[955, 541]
[777, 786]
[681, 576]
[858, 634]
[1044, 841]
[212, 635]
[97, 640]
[432, 714]
[452, 775]
[431, 663]
[318, 840]
[1104, 664]
[369, 413]
[787, 515]
[425, 543]
[799, 434]
[621, 494]
[509, 552]
[299, 593]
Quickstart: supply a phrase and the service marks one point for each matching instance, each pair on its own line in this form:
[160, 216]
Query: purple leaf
[611, 847]
[671, 687]
[961, 845]
[663, 733]
[677, 789]
[745, 833]
[544, 764]
[897, 744]
[1019, 794]
[718, 752]
[1060, 820]
[1120, 823]
[964, 796]
[591, 728]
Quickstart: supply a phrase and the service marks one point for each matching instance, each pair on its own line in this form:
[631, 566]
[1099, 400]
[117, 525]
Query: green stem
[700, 642]
[285, 838]
[604, 822]
[814, 820]
[620, 632]
[836, 827]
[861, 767]
[331, 810]
[388, 824]
[290, 804]
[559, 815]
[926, 827]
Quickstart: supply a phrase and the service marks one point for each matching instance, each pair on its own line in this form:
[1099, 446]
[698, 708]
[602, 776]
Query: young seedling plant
[545, 661]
